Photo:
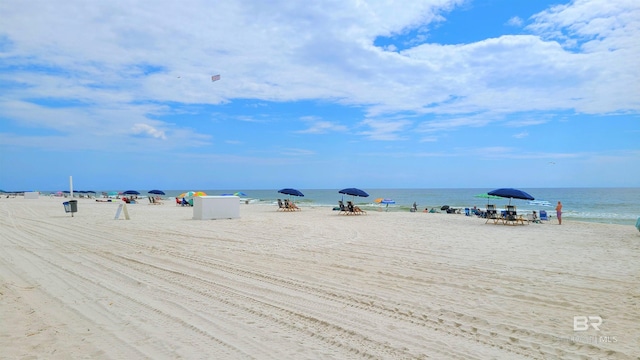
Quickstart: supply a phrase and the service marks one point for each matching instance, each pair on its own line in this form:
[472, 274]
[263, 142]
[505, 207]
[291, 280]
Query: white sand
[309, 285]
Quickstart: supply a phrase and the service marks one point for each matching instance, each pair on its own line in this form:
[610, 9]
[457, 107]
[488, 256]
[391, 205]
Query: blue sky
[395, 94]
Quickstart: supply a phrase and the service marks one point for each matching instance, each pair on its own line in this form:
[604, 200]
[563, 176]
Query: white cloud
[521, 135]
[384, 130]
[515, 21]
[297, 152]
[317, 126]
[114, 55]
[452, 123]
[148, 130]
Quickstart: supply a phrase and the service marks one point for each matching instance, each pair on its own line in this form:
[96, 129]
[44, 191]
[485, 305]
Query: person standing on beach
[559, 212]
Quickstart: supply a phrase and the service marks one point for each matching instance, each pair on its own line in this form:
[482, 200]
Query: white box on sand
[216, 207]
[31, 195]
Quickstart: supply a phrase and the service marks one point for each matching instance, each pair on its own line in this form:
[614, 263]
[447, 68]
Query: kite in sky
[215, 78]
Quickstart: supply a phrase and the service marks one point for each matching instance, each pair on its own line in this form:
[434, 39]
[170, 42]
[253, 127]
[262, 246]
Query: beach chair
[281, 206]
[289, 205]
[151, 200]
[184, 202]
[467, 212]
[358, 211]
[343, 209]
[492, 214]
[350, 208]
[543, 216]
[533, 218]
[509, 215]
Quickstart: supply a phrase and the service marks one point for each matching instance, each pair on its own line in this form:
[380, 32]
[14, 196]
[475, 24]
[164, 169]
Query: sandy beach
[310, 285]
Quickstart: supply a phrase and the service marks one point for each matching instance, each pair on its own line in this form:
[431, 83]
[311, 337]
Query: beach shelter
[156, 192]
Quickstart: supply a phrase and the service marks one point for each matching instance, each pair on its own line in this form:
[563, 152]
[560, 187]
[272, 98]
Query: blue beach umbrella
[353, 192]
[384, 201]
[156, 192]
[511, 194]
[289, 191]
[131, 192]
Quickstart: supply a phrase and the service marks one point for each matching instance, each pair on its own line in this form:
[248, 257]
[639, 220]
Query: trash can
[67, 207]
[73, 205]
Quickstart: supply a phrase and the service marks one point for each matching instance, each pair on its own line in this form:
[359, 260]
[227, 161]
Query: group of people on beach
[478, 212]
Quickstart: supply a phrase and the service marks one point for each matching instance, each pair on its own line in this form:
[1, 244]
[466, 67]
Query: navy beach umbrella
[511, 194]
[289, 191]
[354, 192]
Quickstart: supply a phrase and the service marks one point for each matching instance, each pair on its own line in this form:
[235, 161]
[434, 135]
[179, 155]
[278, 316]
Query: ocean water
[604, 205]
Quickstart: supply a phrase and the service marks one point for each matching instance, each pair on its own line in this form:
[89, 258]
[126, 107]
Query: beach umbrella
[353, 192]
[189, 195]
[186, 194]
[289, 191]
[511, 194]
[487, 196]
[156, 192]
[131, 192]
[239, 193]
[384, 201]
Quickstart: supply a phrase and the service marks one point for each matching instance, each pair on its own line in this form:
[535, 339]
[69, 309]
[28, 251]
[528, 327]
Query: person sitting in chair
[535, 217]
